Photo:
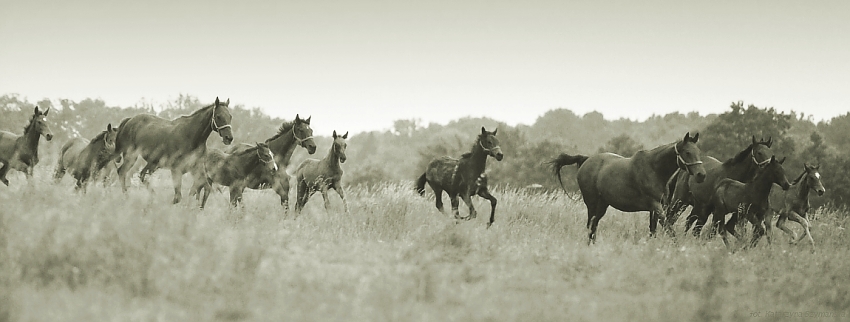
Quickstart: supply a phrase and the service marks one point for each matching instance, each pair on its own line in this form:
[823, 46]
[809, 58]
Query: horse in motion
[684, 190]
[794, 203]
[233, 170]
[21, 152]
[630, 184]
[463, 177]
[289, 136]
[174, 144]
[747, 200]
[86, 158]
[321, 175]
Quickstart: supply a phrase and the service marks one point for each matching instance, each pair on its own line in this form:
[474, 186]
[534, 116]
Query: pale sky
[358, 65]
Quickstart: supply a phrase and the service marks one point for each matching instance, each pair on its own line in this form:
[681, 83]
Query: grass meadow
[110, 256]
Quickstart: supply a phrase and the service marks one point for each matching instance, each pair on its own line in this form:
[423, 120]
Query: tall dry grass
[106, 255]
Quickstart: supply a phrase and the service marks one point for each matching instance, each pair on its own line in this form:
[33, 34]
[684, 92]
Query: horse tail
[420, 184]
[566, 159]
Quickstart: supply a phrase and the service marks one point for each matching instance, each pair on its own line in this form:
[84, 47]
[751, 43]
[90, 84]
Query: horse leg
[438, 194]
[805, 224]
[124, 168]
[324, 191]
[60, 171]
[206, 195]
[486, 195]
[455, 204]
[236, 195]
[758, 229]
[697, 219]
[672, 213]
[780, 223]
[468, 201]
[281, 187]
[3, 171]
[338, 188]
[301, 196]
[177, 179]
[595, 211]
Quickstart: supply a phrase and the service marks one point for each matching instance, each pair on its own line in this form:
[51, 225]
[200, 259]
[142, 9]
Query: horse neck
[760, 187]
[283, 147]
[802, 187]
[664, 161]
[478, 158]
[198, 125]
[247, 161]
[332, 159]
[31, 138]
[743, 170]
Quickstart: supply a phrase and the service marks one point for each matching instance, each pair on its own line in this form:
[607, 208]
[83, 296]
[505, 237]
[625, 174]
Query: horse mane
[200, 110]
[738, 158]
[800, 177]
[30, 124]
[99, 137]
[284, 128]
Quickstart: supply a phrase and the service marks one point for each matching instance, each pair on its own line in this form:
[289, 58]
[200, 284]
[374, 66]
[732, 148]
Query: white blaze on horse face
[817, 175]
[271, 155]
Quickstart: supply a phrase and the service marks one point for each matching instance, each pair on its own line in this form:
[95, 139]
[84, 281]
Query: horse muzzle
[342, 159]
[820, 191]
[497, 153]
[48, 136]
[311, 148]
[227, 139]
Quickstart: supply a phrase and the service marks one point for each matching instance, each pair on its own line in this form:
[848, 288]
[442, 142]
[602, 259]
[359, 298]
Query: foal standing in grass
[321, 175]
[86, 158]
[463, 177]
[748, 200]
[234, 170]
[21, 152]
[794, 203]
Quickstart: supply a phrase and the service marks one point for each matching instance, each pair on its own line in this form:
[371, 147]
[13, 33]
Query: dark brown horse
[176, 144]
[794, 203]
[631, 184]
[86, 158]
[684, 190]
[463, 177]
[747, 200]
[289, 136]
[321, 175]
[234, 169]
[21, 152]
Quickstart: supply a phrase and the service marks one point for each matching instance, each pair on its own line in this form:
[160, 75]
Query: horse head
[813, 179]
[220, 121]
[688, 156]
[760, 151]
[776, 173]
[490, 143]
[339, 146]
[266, 156]
[303, 134]
[109, 138]
[39, 123]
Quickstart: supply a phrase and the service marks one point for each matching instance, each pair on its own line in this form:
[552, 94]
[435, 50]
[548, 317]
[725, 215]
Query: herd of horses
[663, 181]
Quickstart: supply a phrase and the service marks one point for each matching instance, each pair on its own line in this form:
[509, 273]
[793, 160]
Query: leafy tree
[622, 144]
[733, 130]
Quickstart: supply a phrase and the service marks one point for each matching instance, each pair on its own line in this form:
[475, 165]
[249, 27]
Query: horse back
[71, 151]
[7, 145]
[727, 195]
[441, 171]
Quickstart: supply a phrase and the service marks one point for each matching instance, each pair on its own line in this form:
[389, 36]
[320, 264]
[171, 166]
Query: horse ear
[46, 111]
[308, 119]
[334, 134]
[483, 131]
[494, 131]
[696, 137]
[228, 102]
[36, 111]
[216, 101]
[782, 161]
[769, 141]
[109, 127]
[754, 140]
[345, 136]
[687, 137]
[297, 119]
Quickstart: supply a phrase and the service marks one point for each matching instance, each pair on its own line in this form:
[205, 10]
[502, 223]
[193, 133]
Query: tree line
[401, 153]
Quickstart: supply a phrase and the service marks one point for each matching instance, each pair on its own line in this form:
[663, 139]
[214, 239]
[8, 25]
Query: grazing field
[106, 255]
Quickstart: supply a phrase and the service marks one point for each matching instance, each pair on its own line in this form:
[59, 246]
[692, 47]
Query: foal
[747, 199]
[794, 204]
[86, 158]
[321, 175]
[233, 170]
[21, 152]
